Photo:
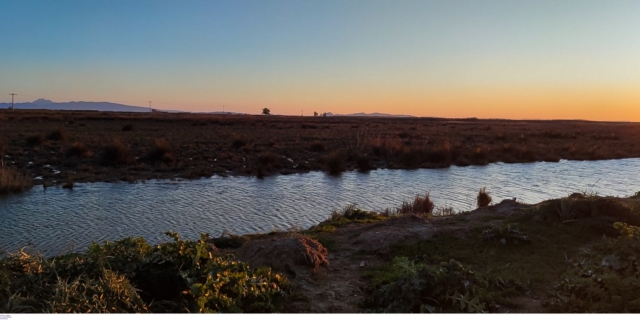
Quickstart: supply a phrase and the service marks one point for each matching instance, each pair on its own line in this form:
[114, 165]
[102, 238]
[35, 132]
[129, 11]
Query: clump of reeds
[420, 205]
[68, 184]
[161, 151]
[35, 140]
[116, 153]
[317, 147]
[79, 150]
[239, 142]
[335, 163]
[363, 162]
[57, 135]
[483, 199]
[11, 181]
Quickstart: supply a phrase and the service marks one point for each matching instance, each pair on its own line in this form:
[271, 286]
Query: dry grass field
[66, 146]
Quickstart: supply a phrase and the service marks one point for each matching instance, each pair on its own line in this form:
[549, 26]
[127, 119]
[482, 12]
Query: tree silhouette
[266, 111]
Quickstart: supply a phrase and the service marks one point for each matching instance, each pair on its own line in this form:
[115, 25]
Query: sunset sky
[486, 59]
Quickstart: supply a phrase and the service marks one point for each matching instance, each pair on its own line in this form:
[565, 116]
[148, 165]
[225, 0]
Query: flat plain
[88, 146]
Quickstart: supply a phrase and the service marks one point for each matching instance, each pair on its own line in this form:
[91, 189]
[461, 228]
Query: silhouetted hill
[75, 105]
[375, 114]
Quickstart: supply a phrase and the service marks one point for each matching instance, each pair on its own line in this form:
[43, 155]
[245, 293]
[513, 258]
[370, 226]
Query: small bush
[483, 199]
[79, 150]
[35, 140]
[117, 153]
[127, 127]
[57, 135]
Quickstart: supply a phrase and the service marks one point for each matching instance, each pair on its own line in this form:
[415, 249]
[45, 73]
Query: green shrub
[130, 275]
[445, 287]
[509, 233]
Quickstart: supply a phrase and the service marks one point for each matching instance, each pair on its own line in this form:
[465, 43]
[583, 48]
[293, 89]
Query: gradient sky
[487, 59]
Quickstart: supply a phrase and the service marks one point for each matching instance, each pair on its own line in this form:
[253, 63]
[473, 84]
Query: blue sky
[440, 58]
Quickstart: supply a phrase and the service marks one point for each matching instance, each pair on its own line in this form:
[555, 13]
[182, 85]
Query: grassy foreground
[576, 254]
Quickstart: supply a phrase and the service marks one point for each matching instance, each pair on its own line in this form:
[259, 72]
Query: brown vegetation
[483, 199]
[11, 181]
[57, 135]
[203, 145]
[420, 205]
[116, 153]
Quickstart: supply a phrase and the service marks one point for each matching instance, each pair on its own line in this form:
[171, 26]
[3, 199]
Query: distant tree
[266, 111]
[315, 114]
[324, 114]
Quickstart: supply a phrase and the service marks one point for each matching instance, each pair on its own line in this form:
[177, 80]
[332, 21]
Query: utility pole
[150, 107]
[302, 113]
[12, 108]
[223, 109]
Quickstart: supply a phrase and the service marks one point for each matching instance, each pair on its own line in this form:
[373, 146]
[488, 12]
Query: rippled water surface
[57, 220]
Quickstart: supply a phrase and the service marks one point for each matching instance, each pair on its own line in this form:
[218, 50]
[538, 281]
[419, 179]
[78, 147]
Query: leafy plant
[417, 287]
[605, 279]
[131, 275]
[508, 233]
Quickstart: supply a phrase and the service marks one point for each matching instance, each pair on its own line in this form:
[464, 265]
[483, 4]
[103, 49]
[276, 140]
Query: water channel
[56, 220]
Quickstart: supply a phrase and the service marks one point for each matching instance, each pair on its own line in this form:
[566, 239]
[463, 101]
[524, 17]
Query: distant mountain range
[375, 114]
[116, 107]
[75, 105]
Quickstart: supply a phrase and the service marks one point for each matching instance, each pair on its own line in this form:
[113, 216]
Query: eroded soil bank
[57, 147]
[576, 254]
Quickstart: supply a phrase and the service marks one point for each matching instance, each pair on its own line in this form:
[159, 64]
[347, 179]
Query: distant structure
[12, 95]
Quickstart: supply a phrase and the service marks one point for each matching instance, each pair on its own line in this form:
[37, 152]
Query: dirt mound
[284, 254]
[377, 237]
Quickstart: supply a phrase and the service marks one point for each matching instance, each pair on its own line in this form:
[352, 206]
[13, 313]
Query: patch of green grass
[348, 215]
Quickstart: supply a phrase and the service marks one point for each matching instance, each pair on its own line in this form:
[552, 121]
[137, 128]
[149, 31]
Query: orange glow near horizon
[583, 103]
